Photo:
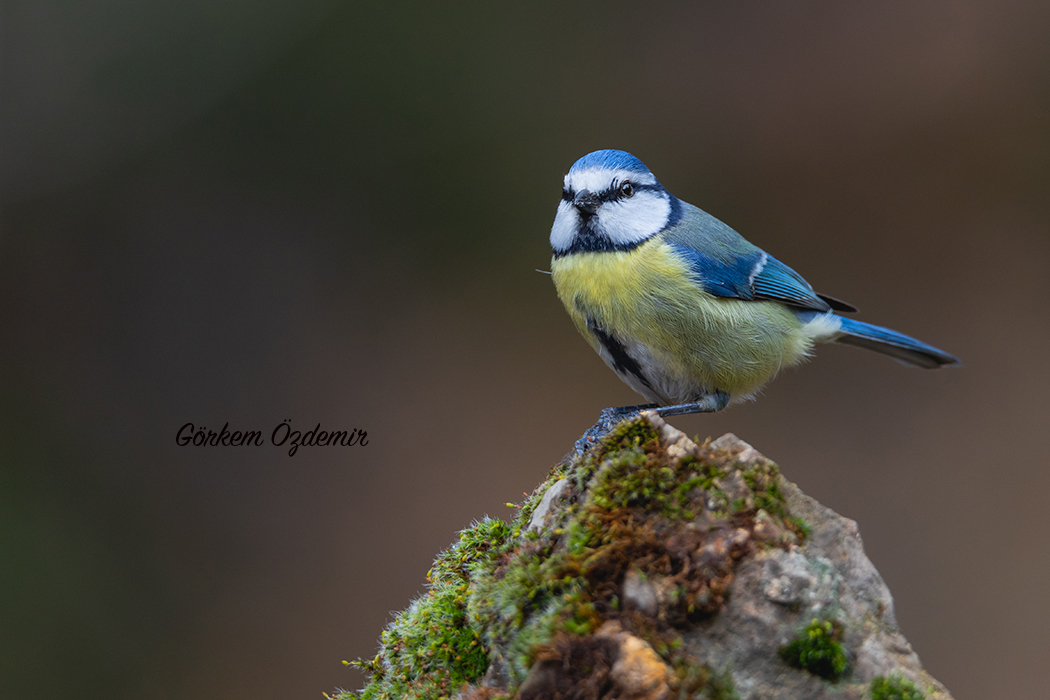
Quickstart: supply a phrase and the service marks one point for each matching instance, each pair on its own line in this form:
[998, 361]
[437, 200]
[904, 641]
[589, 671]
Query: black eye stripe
[614, 194]
[611, 194]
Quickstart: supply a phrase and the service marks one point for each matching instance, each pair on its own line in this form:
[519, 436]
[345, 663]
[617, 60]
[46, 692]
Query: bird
[679, 305]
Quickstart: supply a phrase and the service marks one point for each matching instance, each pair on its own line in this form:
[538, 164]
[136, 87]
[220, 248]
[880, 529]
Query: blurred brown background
[323, 211]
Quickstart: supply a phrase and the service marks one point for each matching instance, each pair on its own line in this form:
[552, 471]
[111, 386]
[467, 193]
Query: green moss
[631, 478]
[634, 477]
[477, 544]
[561, 583]
[817, 649]
[764, 482]
[501, 593]
[430, 650]
[691, 676]
[800, 527]
[720, 686]
[894, 687]
[637, 432]
[536, 593]
[528, 507]
[693, 680]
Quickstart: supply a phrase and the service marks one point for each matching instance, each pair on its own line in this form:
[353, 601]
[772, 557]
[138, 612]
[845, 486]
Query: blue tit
[684, 310]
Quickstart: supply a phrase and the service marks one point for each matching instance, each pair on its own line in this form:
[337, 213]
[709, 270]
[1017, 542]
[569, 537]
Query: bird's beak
[586, 202]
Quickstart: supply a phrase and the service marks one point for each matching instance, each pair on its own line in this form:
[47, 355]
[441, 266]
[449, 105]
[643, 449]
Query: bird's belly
[647, 371]
[669, 340]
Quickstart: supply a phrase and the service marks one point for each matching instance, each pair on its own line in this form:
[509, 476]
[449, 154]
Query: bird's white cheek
[564, 228]
[635, 219]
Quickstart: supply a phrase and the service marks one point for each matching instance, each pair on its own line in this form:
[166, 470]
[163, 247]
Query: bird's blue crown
[609, 159]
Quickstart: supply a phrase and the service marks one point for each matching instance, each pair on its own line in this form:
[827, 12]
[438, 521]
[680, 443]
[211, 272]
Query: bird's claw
[607, 419]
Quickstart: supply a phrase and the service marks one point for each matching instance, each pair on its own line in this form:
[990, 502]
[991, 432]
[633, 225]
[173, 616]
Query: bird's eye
[626, 188]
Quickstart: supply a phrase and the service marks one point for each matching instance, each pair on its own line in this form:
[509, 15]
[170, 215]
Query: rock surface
[652, 568]
[777, 590]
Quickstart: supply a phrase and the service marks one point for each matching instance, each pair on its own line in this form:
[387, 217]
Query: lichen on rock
[653, 567]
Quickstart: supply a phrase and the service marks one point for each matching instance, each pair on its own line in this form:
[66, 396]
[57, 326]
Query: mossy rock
[612, 579]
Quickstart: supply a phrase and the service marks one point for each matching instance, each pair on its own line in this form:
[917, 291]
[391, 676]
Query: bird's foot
[609, 417]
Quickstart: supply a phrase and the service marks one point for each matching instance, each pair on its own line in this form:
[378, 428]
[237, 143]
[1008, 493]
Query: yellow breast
[649, 297]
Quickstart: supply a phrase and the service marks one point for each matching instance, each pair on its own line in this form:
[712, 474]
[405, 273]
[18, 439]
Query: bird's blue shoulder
[727, 265]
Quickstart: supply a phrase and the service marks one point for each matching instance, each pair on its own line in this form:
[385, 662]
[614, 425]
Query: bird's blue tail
[896, 345]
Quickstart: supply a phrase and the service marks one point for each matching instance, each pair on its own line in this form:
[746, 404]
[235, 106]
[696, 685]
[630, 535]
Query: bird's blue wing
[778, 282]
[722, 276]
[728, 266]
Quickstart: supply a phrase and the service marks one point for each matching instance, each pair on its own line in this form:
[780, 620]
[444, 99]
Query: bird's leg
[611, 416]
[712, 403]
